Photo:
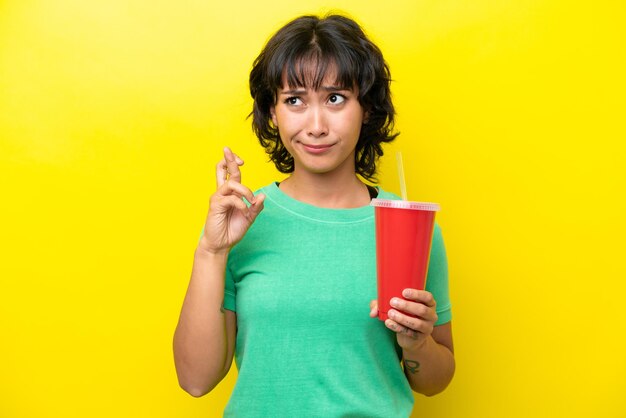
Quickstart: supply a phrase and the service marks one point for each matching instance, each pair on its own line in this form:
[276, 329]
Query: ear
[366, 116]
[273, 113]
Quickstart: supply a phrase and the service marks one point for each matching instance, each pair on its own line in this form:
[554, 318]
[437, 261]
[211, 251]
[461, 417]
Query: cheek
[352, 128]
[285, 134]
[288, 125]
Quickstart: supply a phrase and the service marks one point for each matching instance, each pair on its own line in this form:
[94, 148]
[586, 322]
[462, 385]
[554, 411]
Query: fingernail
[406, 293]
[394, 302]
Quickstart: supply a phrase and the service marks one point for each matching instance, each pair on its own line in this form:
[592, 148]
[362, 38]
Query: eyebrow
[325, 88]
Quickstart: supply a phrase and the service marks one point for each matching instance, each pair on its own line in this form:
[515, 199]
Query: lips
[316, 148]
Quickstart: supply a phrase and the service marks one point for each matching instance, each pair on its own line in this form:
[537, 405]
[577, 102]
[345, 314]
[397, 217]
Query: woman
[281, 283]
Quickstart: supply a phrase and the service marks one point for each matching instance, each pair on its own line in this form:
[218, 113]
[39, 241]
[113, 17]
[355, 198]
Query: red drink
[404, 232]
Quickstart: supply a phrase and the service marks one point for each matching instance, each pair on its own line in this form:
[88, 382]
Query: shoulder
[270, 188]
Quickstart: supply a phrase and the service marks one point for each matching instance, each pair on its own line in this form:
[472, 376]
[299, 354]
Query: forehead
[312, 74]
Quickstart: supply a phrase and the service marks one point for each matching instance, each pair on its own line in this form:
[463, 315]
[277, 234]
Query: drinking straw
[401, 175]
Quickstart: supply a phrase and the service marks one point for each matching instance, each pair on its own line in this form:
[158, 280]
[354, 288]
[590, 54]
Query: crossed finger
[233, 188]
[228, 168]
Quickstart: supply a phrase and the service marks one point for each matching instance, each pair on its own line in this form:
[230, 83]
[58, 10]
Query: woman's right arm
[204, 341]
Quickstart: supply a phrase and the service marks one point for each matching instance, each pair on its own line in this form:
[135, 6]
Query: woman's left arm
[430, 368]
[427, 350]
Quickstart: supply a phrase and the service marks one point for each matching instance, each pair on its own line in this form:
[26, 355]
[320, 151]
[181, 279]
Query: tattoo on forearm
[412, 366]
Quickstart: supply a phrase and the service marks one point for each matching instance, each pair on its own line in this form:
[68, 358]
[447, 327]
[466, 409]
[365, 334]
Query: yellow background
[113, 114]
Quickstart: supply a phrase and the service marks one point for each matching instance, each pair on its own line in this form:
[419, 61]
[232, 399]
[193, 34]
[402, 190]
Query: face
[320, 128]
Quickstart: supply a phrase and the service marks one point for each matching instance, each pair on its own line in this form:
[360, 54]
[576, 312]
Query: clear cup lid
[404, 204]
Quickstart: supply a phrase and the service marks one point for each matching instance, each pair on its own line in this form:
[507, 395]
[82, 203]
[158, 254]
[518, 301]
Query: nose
[317, 125]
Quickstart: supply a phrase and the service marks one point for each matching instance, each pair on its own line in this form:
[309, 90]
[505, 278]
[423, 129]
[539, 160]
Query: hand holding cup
[411, 317]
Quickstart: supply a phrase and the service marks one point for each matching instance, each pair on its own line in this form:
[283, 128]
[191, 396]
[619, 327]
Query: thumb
[256, 207]
[374, 308]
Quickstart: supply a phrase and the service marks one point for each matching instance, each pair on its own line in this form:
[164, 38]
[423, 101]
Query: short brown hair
[333, 40]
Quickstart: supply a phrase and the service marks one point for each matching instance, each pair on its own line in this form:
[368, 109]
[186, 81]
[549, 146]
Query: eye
[336, 99]
[293, 101]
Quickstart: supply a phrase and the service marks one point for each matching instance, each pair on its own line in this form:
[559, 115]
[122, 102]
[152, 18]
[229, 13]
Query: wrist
[206, 252]
[419, 348]
[205, 247]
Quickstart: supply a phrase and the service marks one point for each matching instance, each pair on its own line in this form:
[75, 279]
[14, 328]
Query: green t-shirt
[301, 281]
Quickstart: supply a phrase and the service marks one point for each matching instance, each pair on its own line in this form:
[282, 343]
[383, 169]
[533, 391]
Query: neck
[326, 190]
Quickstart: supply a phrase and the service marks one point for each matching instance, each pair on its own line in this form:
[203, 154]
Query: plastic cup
[404, 232]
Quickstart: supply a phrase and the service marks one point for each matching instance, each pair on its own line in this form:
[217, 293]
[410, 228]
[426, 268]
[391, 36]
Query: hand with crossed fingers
[229, 216]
